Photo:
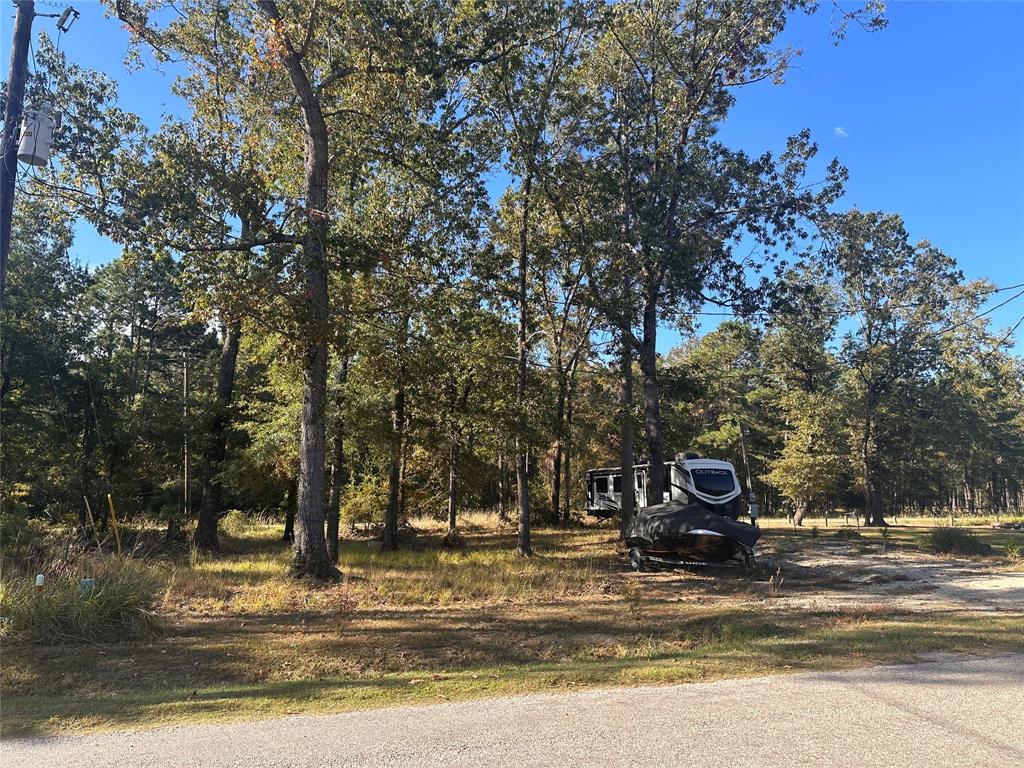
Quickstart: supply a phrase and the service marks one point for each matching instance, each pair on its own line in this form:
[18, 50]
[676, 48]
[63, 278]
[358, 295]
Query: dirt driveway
[909, 580]
[837, 573]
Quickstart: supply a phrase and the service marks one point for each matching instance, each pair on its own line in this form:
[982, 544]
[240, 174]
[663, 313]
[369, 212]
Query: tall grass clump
[1014, 550]
[955, 541]
[119, 607]
[235, 523]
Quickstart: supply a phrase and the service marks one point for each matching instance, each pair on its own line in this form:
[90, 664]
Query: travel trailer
[689, 479]
[694, 523]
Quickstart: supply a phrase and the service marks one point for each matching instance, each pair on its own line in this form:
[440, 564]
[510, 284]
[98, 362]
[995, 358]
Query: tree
[896, 292]
[216, 434]
[527, 88]
[184, 189]
[813, 460]
[716, 385]
[48, 432]
[310, 556]
[563, 263]
[661, 79]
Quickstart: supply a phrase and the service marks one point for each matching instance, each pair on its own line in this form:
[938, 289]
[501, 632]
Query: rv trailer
[689, 479]
[694, 523]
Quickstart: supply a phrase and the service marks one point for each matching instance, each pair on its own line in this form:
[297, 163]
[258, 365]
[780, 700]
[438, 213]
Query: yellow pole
[113, 519]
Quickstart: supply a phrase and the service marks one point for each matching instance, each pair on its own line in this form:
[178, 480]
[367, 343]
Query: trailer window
[617, 483]
[713, 482]
[601, 484]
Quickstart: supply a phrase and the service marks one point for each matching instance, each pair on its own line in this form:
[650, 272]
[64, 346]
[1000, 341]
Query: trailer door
[640, 488]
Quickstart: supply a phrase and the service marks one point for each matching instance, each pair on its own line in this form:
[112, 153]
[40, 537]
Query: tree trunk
[453, 483]
[556, 479]
[566, 462]
[338, 475]
[556, 450]
[395, 472]
[88, 445]
[522, 444]
[652, 403]
[310, 552]
[403, 465]
[872, 496]
[289, 511]
[628, 502]
[502, 489]
[393, 510]
[210, 506]
[799, 511]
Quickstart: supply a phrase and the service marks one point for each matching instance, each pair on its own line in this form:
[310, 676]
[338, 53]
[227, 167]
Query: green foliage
[235, 523]
[363, 503]
[26, 543]
[956, 541]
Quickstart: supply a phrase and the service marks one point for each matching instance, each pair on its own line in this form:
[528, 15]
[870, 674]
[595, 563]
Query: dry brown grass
[427, 623]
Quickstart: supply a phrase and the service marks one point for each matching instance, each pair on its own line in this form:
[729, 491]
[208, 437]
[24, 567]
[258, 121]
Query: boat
[677, 533]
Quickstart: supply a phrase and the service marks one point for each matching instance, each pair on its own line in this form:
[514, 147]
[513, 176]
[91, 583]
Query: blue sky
[928, 115]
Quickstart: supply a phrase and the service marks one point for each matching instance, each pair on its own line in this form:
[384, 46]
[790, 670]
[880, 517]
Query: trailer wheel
[636, 560]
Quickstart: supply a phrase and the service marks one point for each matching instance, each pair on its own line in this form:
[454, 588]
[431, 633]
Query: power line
[988, 311]
[1010, 332]
[998, 344]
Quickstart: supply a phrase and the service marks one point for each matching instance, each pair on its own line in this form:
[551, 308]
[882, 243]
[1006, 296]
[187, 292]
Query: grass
[428, 624]
[911, 534]
[119, 605]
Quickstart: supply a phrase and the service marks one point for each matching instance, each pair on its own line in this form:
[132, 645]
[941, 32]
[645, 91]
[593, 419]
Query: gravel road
[952, 712]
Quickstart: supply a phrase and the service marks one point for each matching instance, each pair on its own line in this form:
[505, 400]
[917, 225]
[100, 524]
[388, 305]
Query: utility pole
[13, 107]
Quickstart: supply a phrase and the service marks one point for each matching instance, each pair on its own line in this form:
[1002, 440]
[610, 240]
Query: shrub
[235, 523]
[1014, 550]
[453, 540]
[120, 606]
[848, 534]
[364, 502]
[954, 541]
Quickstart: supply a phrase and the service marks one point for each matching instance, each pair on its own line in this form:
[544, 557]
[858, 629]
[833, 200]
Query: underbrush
[955, 541]
[1013, 550]
[118, 606]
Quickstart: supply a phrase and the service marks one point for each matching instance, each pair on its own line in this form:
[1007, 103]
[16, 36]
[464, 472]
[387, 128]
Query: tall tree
[527, 85]
[216, 450]
[897, 293]
[662, 79]
[812, 462]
